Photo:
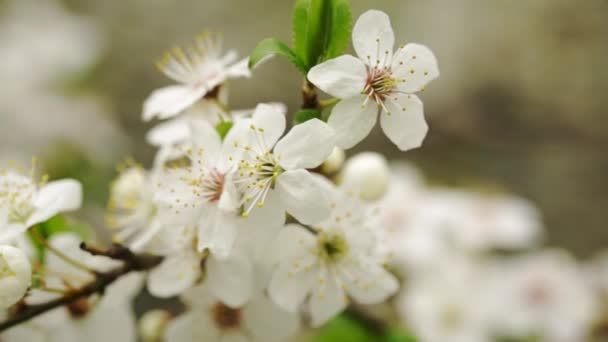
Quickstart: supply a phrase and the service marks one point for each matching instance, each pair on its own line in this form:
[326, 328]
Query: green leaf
[223, 128]
[340, 29]
[398, 335]
[305, 115]
[272, 46]
[321, 29]
[300, 25]
[342, 328]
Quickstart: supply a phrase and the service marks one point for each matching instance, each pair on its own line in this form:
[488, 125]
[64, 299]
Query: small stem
[36, 235]
[309, 96]
[132, 263]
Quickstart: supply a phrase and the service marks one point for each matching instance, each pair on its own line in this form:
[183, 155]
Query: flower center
[16, 195]
[332, 246]
[380, 83]
[212, 186]
[256, 178]
[225, 317]
[257, 173]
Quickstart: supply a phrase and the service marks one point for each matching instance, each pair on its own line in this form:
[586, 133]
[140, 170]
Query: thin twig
[40, 239]
[132, 263]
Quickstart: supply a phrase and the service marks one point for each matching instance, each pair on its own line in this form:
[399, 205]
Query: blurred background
[520, 105]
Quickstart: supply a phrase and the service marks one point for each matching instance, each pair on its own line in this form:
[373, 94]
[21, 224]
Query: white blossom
[209, 319]
[444, 303]
[197, 70]
[388, 80]
[366, 174]
[275, 166]
[543, 294]
[15, 275]
[230, 278]
[132, 210]
[337, 261]
[25, 202]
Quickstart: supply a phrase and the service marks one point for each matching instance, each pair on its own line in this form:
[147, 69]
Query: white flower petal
[291, 242]
[231, 279]
[327, 300]
[306, 145]
[352, 121]
[167, 102]
[55, 197]
[15, 275]
[405, 126]
[207, 139]
[417, 65]
[217, 231]
[239, 69]
[9, 232]
[272, 214]
[192, 326]
[294, 277]
[267, 322]
[303, 196]
[268, 125]
[342, 77]
[168, 133]
[174, 275]
[373, 37]
[289, 286]
[368, 283]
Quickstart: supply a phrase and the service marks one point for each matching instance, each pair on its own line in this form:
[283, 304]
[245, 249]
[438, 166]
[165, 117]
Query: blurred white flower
[444, 303]
[339, 260]
[198, 70]
[132, 213]
[367, 175]
[15, 275]
[544, 295]
[277, 167]
[389, 80]
[110, 318]
[25, 202]
[209, 319]
[480, 222]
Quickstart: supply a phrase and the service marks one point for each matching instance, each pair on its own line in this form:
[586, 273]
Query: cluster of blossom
[262, 228]
[474, 271]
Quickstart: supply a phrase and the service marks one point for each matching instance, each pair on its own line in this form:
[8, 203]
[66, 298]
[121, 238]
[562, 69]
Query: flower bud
[334, 162]
[15, 275]
[152, 325]
[366, 174]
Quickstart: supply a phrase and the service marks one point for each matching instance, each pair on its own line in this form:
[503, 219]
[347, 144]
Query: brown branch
[132, 263]
[309, 96]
